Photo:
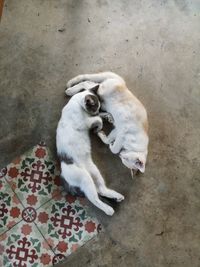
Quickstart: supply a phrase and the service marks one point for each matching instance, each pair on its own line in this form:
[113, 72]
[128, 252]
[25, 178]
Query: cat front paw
[69, 92]
[97, 126]
[110, 118]
[107, 116]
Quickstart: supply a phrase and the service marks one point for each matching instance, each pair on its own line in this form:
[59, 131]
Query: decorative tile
[66, 224]
[34, 177]
[39, 223]
[10, 206]
[24, 246]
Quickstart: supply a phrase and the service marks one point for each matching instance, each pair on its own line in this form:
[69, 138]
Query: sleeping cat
[74, 149]
[129, 138]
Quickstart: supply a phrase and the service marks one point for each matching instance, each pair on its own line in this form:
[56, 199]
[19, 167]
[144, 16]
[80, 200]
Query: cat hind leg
[77, 176]
[100, 184]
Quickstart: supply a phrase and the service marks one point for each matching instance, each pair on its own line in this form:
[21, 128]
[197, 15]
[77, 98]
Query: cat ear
[140, 165]
[95, 89]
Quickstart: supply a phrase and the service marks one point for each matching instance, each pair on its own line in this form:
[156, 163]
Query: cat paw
[69, 92]
[110, 118]
[109, 211]
[119, 197]
[97, 126]
[70, 83]
[107, 116]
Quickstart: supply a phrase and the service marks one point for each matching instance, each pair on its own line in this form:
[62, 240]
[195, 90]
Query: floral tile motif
[34, 177]
[66, 224]
[24, 246]
[10, 206]
[39, 223]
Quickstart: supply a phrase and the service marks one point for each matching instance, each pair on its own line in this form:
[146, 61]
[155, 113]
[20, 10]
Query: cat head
[91, 104]
[134, 160]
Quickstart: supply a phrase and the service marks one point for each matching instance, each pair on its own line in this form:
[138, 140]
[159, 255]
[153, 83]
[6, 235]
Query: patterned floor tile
[24, 246]
[66, 224]
[10, 206]
[39, 224]
[34, 177]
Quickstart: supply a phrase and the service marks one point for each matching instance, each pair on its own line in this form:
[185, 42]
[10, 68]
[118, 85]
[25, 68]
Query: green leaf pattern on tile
[55, 235]
[38, 247]
[73, 239]
[78, 208]
[50, 228]
[4, 220]
[15, 237]
[24, 165]
[83, 215]
[20, 183]
[7, 199]
[79, 234]
[24, 189]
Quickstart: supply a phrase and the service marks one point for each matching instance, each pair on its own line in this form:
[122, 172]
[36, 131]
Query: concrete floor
[154, 45]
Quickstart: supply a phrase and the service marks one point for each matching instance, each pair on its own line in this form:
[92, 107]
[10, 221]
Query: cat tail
[97, 78]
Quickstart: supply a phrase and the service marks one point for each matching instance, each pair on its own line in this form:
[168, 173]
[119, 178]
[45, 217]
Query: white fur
[129, 138]
[73, 139]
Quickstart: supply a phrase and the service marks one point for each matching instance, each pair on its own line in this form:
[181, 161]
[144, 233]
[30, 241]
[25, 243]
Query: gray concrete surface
[155, 46]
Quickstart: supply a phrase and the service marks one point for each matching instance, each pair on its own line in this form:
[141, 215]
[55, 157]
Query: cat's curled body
[74, 149]
[129, 137]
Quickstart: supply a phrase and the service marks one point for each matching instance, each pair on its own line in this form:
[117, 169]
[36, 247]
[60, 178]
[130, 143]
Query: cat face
[134, 160]
[91, 104]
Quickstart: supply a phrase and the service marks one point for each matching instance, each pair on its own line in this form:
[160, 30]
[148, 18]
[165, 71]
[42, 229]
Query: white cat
[130, 135]
[74, 149]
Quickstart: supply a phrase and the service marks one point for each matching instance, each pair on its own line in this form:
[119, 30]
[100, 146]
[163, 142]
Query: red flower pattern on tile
[32, 200]
[26, 229]
[74, 247]
[15, 199]
[13, 172]
[43, 217]
[17, 160]
[15, 212]
[3, 236]
[11, 224]
[56, 193]
[45, 259]
[90, 226]
[48, 243]
[62, 246]
[57, 180]
[70, 199]
[40, 153]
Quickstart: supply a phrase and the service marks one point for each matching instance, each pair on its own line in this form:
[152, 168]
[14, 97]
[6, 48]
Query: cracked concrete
[154, 45]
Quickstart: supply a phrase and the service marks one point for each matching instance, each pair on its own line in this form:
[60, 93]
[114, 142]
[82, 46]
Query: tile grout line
[11, 227]
[52, 249]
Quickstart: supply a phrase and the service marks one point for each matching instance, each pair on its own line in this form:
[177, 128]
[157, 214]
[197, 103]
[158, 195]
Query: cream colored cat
[129, 138]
